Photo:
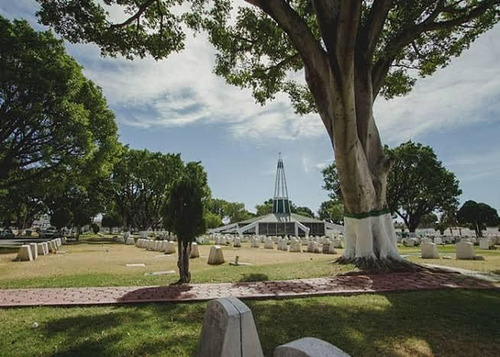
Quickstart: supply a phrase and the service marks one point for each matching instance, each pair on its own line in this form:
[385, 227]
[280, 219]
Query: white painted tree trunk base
[371, 243]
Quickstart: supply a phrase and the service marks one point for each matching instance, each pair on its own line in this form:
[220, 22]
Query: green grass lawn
[427, 323]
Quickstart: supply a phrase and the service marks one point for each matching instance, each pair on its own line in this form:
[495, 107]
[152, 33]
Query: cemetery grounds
[425, 323]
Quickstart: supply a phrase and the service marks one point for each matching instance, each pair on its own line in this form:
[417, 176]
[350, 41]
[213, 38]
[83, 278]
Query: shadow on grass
[424, 323]
[253, 277]
[157, 293]
[148, 330]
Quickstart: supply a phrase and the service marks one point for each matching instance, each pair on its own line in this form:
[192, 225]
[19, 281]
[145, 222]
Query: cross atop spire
[281, 203]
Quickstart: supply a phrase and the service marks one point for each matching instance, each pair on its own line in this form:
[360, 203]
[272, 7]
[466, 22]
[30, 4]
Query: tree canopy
[140, 183]
[418, 184]
[52, 119]
[332, 211]
[269, 39]
[478, 216]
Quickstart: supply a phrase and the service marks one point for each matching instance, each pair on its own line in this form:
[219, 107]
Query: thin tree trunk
[184, 250]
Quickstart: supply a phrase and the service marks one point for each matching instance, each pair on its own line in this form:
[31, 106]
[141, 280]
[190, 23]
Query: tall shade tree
[418, 184]
[52, 119]
[184, 216]
[140, 183]
[478, 216]
[350, 51]
[331, 211]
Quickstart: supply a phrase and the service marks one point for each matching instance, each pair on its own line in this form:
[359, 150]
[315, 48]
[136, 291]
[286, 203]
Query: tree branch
[370, 33]
[136, 16]
[411, 33]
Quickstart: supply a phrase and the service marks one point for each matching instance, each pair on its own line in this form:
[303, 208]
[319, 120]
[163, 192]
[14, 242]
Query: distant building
[281, 221]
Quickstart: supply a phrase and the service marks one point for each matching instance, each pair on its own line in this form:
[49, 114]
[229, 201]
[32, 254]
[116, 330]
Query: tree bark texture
[184, 250]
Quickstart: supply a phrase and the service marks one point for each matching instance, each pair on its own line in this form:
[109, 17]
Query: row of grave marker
[30, 252]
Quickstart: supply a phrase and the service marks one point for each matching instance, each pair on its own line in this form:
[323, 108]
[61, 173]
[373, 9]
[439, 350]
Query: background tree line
[419, 189]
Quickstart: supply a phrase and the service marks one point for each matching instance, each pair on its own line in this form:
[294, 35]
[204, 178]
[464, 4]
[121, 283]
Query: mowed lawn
[427, 323]
[101, 262]
[105, 264]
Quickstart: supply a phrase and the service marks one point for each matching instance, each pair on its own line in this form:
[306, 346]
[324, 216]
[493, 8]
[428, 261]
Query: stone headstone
[484, 243]
[255, 243]
[228, 330]
[295, 246]
[269, 243]
[34, 250]
[126, 235]
[283, 245]
[157, 246]
[309, 347]
[170, 247]
[45, 247]
[313, 247]
[237, 242]
[337, 243]
[143, 234]
[408, 242]
[52, 247]
[195, 252]
[438, 240]
[328, 249]
[429, 251]
[216, 256]
[130, 241]
[465, 250]
[40, 249]
[24, 253]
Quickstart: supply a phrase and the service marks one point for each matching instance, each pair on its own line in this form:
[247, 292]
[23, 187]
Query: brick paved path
[336, 285]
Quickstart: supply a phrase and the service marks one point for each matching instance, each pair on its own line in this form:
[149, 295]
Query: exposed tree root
[374, 265]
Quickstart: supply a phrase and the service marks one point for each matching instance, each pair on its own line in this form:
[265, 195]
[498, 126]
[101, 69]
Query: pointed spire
[281, 203]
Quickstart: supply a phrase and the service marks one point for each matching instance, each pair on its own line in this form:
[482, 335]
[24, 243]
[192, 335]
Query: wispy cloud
[476, 166]
[466, 92]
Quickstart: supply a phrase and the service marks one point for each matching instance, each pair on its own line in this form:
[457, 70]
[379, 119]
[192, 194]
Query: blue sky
[179, 105]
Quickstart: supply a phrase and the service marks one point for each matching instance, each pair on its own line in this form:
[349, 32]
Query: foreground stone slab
[195, 252]
[24, 253]
[429, 251]
[309, 347]
[228, 330]
[216, 256]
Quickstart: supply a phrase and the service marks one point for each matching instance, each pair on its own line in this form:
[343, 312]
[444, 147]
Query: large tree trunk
[341, 80]
[362, 167]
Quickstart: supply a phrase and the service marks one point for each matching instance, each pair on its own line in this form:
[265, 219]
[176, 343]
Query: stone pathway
[348, 284]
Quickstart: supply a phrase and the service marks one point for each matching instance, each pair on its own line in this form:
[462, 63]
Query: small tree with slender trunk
[184, 216]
